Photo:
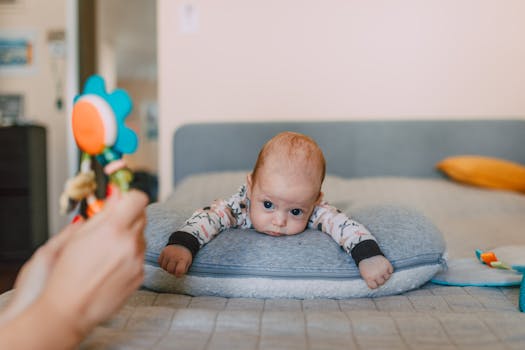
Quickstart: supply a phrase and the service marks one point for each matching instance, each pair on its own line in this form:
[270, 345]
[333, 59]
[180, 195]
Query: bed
[379, 163]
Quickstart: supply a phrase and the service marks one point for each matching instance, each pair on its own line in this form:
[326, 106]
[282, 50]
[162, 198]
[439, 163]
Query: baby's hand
[375, 270]
[175, 259]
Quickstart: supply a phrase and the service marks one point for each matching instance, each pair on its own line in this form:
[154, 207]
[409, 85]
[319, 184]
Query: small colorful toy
[489, 258]
[100, 133]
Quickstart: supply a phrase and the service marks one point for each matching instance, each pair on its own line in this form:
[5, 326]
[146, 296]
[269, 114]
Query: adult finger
[57, 241]
[139, 224]
[130, 207]
[47, 253]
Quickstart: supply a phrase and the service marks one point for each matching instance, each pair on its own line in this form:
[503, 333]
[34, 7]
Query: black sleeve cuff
[186, 240]
[365, 249]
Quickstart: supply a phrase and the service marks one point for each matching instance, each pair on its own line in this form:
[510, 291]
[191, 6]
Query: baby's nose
[279, 219]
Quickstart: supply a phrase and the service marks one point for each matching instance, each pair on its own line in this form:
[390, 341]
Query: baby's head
[285, 184]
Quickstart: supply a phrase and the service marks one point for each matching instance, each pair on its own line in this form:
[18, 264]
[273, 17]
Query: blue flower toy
[100, 133]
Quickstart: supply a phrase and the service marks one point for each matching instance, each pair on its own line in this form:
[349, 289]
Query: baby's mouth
[272, 233]
[275, 233]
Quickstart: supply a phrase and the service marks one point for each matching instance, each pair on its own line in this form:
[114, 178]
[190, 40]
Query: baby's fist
[375, 270]
[175, 259]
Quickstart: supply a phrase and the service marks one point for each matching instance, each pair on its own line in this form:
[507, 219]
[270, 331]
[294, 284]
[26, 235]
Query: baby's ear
[320, 198]
[249, 182]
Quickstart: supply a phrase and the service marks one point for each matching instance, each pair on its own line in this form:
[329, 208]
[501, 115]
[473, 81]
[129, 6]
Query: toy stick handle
[521, 269]
[94, 205]
[85, 163]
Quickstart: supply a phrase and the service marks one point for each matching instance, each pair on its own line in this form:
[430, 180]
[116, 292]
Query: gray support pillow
[244, 263]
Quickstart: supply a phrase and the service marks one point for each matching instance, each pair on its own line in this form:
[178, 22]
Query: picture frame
[17, 52]
[11, 108]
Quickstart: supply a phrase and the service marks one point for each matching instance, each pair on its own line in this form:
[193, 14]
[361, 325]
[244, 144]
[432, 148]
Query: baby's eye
[268, 204]
[296, 212]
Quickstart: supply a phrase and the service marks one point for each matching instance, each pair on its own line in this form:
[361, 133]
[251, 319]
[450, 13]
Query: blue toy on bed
[500, 267]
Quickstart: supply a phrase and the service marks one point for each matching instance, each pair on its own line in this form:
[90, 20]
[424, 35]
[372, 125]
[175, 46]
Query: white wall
[333, 59]
[39, 88]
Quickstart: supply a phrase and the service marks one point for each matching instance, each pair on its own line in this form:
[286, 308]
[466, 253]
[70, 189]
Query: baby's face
[281, 204]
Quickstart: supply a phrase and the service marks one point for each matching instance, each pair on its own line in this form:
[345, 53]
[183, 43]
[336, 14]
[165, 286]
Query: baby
[282, 196]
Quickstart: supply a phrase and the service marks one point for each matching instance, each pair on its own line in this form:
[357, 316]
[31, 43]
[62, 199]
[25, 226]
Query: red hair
[294, 148]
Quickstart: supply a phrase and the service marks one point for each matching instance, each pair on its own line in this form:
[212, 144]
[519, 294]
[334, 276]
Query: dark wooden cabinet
[23, 191]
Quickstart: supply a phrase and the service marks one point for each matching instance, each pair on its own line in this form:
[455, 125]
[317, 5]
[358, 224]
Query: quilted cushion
[245, 263]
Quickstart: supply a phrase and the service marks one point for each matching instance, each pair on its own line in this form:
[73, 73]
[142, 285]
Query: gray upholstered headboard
[352, 148]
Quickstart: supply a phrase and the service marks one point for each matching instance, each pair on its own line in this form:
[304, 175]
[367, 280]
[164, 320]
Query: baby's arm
[356, 240]
[183, 244]
[375, 270]
[176, 259]
[199, 229]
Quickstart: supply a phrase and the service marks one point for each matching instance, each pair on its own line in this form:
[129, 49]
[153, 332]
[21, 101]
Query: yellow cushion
[485, 172]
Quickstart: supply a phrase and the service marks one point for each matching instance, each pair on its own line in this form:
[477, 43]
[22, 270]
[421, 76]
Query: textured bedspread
[432, 317]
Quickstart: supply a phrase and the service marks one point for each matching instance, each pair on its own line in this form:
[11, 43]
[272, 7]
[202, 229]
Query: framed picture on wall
[11, 109]
[9, 6]
[17, 52]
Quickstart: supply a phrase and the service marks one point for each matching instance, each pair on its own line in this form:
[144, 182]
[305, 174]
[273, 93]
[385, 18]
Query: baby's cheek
[296, 227]
[256, 220]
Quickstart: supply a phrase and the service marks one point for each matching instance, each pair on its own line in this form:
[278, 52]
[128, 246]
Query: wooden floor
[8, 272]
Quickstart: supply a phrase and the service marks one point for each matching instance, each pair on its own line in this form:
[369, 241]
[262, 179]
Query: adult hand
[101, 264]
[33, 276]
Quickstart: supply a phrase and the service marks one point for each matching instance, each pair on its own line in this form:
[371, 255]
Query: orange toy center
[88, 128]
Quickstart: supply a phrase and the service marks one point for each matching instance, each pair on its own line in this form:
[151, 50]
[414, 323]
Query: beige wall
[333, 59]
[39, 88]
[304, 59]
